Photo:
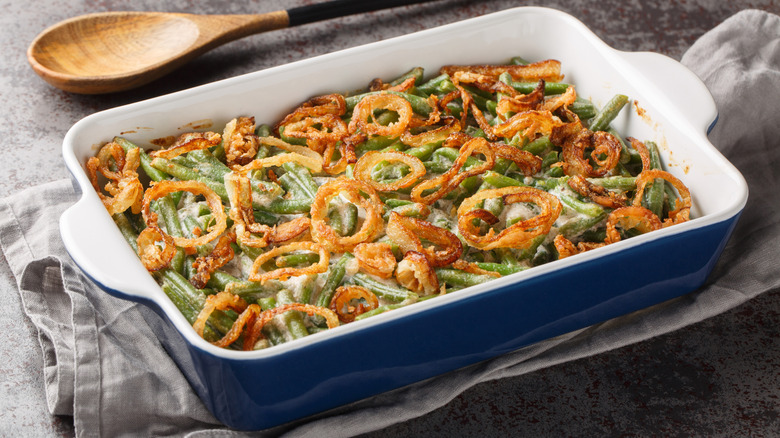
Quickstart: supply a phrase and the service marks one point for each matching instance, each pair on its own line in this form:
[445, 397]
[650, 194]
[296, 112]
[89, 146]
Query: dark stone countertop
[716, 378]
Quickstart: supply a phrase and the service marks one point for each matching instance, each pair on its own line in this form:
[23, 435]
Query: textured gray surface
[717, 378]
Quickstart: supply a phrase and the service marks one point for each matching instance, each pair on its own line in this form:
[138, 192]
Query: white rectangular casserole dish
[261, 389]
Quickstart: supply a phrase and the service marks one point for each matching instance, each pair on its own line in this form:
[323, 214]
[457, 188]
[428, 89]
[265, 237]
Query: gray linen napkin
[103, 365]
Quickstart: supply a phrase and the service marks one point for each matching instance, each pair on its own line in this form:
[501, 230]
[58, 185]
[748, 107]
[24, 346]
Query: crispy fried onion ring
[153, 256]
[415, 273]
[187, 142]
[375, 258]
[316, 106]
[603, 143]
[110, 151]
[331, 319]
[240, 141]
[596, 193]
[414, 209]
[562, 100]
[313, 159]
[518, 235]
[548, 70]
[484, 82]
[516, 102]
[350, 301]
[318, 131]
[630, 217]
[218, 257]
[450, 126]
[124, 187]
[528, 163]
[289, 230]
[352, 191]
[566, 248]
[644, 153]
[224, 301]
[407, 233]
[378, 84]
[239, 190]
[364, 111]
[346, 149]
[213, 200]
[366, 164]
[531, 123]
[277, 160]
[682, 205]
[473, 268]
[449, 180]
[284, 273]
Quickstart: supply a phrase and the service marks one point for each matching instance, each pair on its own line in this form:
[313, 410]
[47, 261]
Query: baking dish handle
[684, 90]
[99, 249]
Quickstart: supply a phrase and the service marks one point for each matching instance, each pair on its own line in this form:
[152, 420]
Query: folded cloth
[104, 366]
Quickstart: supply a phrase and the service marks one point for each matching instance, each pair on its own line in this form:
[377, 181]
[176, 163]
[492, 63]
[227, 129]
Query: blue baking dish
[262, 389]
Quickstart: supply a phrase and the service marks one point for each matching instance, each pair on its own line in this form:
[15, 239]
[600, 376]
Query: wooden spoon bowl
[116, 51]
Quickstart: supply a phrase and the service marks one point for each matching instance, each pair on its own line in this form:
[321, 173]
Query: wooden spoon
[115, 51]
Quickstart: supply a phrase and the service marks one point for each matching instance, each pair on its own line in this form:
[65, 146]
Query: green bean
[583, 108]
[293, 260]
[265, 218]
[425, 151]
[185, 173]
[292, 140]
[293, 320]
[375, 143]
[190, 301]
[539, 146]
[654, 195]
[127, 230]
[151, 172]
[550, 88]
[590, 209]
[607, 114]
[393, 203]
[207, 164]
[439, 85]
[378, 310]
[298, 181]
[529, 252]
[384, 291]
[188, 227]
[287, 206]
[549, 159]
[458, 278]
[263, 130]
[307, 289]
[506, 256]
[419, 104]
[170, 216]
[518, 60]
[410, 209]
[416, 73]
[343, 217]
[220, 279]
[270, 331]
[623, 183]
[335, 277]
[576, 226]
[501, 268]
[436, 166]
